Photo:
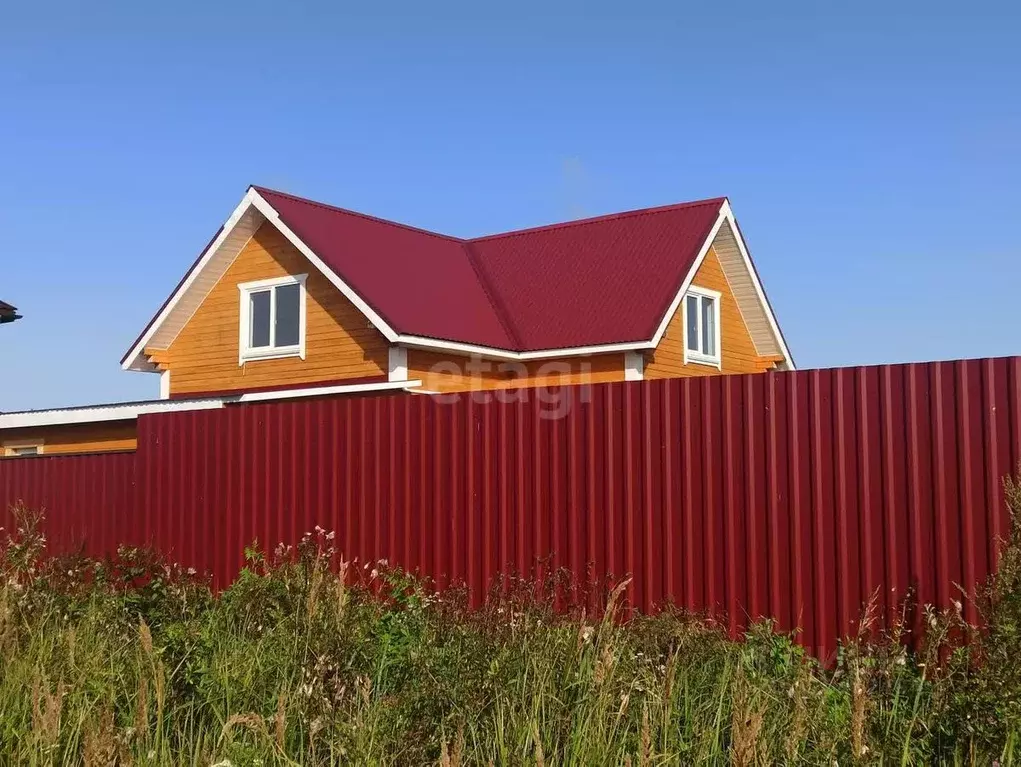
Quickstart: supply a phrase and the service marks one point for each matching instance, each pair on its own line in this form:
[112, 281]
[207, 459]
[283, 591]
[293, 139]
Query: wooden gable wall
[738, 351]
[340, 343]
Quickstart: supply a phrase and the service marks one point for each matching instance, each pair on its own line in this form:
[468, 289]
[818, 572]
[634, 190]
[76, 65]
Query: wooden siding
[738, 350]
[452, 373]
[742, 285]
[75, 438]
[340, 343]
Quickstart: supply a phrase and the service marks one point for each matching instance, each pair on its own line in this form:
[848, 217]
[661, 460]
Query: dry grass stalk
[613, 602]
[99, 747]
[645, 757]
[46, 711]
[364, 685]
[316, 726]
[142, 707]
[280, 719]
[860, 682]
[859, 712]
[251, 722]
[145, 637]
[161, 684]
[314, 587]
[584, 634]
[669, 676]
[341, 588]
[798, 727]
[540, 756]
[6, 617]
[625, 699]
[604, 664]
[746, 724]
[453, 757]
[72, 646]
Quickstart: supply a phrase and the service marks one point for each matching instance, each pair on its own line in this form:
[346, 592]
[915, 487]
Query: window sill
[701, 359]
[251, 355]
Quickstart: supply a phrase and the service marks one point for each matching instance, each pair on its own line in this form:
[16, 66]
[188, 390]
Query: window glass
[34, 450]
[260, 319]
[288, 317]
[708, 326]
[691, 313]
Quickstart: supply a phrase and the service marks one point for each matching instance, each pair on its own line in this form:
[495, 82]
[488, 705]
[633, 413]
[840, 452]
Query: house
[294, 297]
[8, 313]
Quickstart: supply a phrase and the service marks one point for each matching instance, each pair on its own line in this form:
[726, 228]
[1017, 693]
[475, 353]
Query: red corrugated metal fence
[791, 495]
[88, 500]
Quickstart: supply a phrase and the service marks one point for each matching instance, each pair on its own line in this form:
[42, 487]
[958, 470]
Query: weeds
[307, 659]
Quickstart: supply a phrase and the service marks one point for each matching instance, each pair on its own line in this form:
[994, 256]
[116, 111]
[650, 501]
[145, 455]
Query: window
[21, 449]
[272, 319]
[702, 326]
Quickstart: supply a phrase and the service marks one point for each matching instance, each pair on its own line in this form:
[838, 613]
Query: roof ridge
[598, 219]
[348, 211]
[502, 315]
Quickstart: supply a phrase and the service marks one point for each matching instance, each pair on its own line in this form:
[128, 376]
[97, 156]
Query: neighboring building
[292, 296]
[8, 313]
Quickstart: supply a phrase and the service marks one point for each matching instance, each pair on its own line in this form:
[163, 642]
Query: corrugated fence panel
[88, 500]
[801, 496]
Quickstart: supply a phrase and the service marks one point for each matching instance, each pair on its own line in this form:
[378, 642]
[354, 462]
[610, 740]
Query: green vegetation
[135, 662]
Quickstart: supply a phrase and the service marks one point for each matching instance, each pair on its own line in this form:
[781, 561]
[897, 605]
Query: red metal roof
[421, 283]
[583, 283]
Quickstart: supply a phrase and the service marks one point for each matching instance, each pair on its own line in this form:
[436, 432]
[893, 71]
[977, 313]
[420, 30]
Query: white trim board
[127, 411]
[774, 325]
[487, 351]
[135, 358]
[634, 366]
[397, 363]
[323, 391]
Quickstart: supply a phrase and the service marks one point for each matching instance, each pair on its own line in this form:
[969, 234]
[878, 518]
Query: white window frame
[10, 447]
[697, 357]
[246, 353]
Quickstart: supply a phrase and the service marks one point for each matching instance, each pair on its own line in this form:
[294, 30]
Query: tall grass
[136, 662]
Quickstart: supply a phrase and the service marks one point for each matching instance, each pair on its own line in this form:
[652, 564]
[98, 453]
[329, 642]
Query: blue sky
[872, 152]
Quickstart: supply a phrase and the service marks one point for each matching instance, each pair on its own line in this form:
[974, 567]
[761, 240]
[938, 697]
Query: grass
[136, 662]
